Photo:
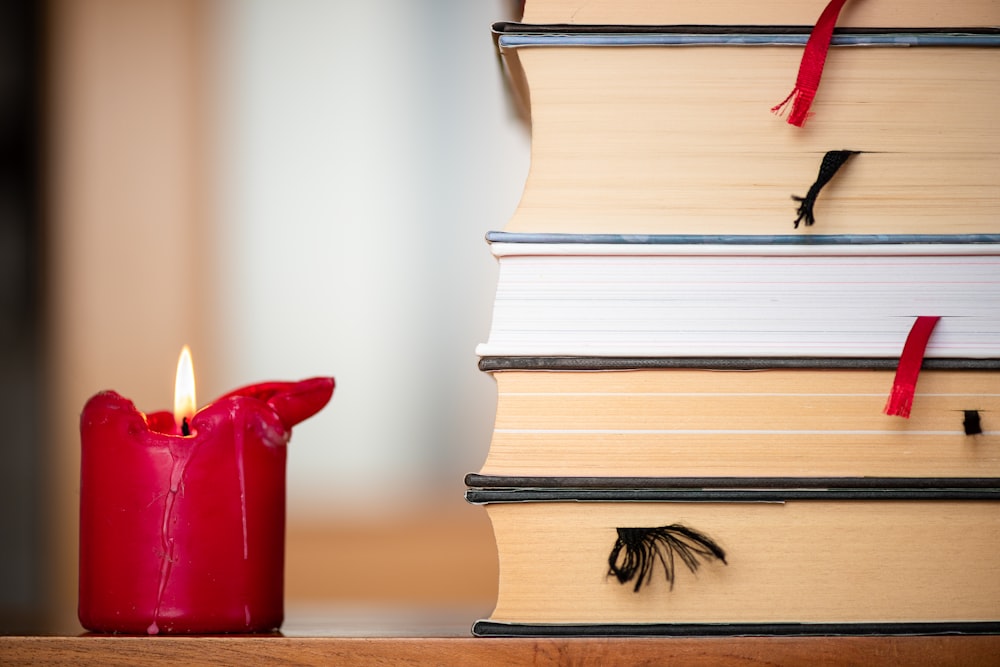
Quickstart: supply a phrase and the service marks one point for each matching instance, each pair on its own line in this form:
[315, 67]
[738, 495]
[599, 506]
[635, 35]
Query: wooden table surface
[376, 637]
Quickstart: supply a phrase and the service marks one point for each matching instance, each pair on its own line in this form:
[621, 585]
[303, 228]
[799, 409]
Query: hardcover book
[701, 418]
[654, 296]
[744, 562]
[669, 129]
[924, 13]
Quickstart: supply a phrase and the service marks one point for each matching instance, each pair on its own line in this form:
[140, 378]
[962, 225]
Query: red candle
[182, 516]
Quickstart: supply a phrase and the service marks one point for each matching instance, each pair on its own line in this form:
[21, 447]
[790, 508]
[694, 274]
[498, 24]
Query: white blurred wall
[363, 151]
[294, 188]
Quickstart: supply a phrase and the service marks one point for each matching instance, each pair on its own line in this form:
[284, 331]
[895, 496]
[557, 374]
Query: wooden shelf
[373, 637]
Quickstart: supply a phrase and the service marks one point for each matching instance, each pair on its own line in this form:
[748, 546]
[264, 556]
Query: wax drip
[972, 423]
[178, 467]
[832, 162]
[637, 550]
[238, 428]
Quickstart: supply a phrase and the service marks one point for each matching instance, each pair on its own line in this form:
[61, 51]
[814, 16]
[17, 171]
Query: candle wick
[185, 427]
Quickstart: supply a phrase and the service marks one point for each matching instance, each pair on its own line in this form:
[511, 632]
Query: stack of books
[747, 343]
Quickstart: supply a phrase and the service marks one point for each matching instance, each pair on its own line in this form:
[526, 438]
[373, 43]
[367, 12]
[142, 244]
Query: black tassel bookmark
[832, 162]
[637, 550]
[972, 423]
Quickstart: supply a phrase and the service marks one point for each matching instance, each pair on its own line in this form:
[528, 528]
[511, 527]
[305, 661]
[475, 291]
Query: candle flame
[184, 401]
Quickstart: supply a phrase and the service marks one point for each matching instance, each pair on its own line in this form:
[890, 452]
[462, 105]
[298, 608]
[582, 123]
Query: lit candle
[182, 514]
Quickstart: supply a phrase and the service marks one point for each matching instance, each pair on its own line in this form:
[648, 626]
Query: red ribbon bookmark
[905, 383]
[811, 67]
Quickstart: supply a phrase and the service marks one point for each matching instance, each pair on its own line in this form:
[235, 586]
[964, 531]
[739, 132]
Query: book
[669, 130]
[680, 418]
[744, 562]
[708, 322]
[669, 297]
[917, 13]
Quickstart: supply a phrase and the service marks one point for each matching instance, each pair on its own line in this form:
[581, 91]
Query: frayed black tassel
[636, 551]
[832, 162]
[972, 423]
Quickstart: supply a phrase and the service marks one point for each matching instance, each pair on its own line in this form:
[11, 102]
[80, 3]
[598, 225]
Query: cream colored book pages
[816, 561]
[666, 140]
[873, 14]
[701, 423]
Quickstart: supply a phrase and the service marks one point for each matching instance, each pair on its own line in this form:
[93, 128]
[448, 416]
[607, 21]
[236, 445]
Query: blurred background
[293, 188]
